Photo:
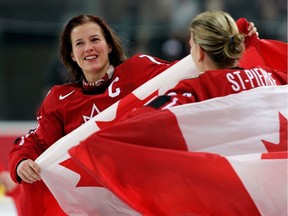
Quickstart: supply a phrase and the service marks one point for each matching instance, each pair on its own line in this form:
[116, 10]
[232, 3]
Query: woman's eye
[95, 39]
[79, 43]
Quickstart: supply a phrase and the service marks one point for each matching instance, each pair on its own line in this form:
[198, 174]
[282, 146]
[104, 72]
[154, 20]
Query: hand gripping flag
[265, 52]
[85, 196]
[224, 156]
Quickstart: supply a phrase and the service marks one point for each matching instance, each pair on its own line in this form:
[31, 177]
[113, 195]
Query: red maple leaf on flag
[282, 145]
[126, 105]
[86, 180]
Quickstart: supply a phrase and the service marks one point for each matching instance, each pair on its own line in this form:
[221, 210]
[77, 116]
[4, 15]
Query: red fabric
[263, 52]
[144, 118]
[35, 199]
[44, 204]
[1, 167]
[6, 142]
[163, 182]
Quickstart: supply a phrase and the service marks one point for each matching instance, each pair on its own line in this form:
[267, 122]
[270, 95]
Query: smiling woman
[80, 37]
[100, 75]
[90, 50]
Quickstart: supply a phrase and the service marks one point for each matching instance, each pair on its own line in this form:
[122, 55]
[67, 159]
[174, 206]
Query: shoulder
[143, 58]
[141, 63]
[183, 85]
[62, 89]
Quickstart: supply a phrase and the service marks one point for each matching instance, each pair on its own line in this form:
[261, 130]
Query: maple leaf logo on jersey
[282, 145]
[94, 112]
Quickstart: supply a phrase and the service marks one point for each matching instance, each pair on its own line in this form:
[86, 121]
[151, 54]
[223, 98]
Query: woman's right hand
[28, 171]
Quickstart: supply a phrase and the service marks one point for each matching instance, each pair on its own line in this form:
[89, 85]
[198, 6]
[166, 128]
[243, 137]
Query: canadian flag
[224, 156]
[81, 189]
[85, 196]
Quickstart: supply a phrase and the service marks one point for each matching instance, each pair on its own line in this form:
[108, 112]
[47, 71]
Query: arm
[23, 149]
[27, 148]
[142, 68]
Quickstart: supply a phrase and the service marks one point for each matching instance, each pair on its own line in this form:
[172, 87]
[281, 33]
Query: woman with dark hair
[116, 55]
[100, 75]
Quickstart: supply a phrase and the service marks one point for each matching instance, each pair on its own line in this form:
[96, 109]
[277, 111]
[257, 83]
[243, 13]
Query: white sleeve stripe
[171, 104]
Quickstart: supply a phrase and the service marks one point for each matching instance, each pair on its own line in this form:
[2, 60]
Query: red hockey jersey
[64, 109]
[217, 83]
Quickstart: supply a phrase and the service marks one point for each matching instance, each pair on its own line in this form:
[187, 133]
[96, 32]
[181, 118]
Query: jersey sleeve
[31, 145]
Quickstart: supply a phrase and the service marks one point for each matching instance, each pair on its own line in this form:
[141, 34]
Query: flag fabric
[86, 196]
[231, 160]
[266, 53]
[262, 52]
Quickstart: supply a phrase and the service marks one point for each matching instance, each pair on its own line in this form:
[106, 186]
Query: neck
[92, 78]
[99, 84]
[209, 64]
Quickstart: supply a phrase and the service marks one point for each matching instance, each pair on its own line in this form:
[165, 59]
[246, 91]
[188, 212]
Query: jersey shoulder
[141, 66]
[149, 59]
[60, 92]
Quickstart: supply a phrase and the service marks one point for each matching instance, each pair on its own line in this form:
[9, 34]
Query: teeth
[90, 57]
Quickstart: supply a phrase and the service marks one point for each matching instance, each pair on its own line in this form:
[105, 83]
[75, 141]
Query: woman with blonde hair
[216, 46]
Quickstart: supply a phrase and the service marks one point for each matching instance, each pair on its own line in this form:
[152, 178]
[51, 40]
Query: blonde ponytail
[217, 34]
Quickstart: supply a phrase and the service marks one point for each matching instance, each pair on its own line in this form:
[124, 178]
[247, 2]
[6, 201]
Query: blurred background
[29, 33]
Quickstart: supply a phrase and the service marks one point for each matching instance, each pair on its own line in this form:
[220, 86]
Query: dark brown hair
[116, 56]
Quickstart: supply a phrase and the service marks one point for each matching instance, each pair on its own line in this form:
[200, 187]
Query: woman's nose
[88, 47]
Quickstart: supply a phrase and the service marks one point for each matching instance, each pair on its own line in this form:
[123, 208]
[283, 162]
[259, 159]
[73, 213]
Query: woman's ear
[72, 56]
[200, 53]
